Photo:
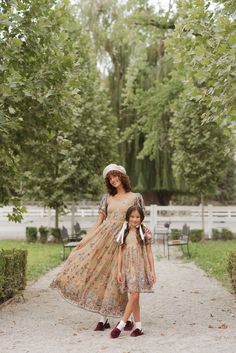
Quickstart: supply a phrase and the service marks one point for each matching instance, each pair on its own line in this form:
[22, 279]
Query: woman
[88, 277]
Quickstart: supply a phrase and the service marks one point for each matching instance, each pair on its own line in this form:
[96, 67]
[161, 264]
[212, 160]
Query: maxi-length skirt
[89, 276]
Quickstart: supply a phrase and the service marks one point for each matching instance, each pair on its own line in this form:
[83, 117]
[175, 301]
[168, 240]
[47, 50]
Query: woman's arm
[151, 262]
[119, 265]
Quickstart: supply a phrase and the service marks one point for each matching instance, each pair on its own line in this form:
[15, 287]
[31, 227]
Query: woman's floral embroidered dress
[89, 276]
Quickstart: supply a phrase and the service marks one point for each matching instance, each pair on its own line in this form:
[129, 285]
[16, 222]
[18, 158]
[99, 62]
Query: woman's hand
[119, 277]
[153, 277]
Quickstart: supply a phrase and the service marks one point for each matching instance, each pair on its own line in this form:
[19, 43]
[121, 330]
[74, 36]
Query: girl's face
[134, 219]
[114, 180]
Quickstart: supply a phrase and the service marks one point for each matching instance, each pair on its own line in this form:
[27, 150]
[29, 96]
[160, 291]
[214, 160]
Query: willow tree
[128, 41]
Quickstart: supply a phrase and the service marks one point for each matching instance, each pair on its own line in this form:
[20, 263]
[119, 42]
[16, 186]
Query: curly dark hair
[123, 178]
[127, 217]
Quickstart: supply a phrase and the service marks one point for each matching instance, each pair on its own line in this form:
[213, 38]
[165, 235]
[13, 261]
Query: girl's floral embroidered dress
[89, 276]
[135, 266]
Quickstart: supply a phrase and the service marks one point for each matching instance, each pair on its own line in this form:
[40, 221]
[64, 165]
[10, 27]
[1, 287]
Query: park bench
[182, 241]
[69, 241]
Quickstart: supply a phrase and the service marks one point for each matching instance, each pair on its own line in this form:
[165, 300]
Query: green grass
[40, 259]
[212, 257]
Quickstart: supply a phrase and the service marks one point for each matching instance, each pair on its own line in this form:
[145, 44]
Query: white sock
[121, 325]
[130, 318]
[103, 319]
[138, 325]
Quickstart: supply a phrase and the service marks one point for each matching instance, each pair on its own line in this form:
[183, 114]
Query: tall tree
[65, 130]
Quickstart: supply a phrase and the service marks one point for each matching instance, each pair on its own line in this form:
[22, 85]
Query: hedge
[43, 234]
[12, 272]
[196, 235]
[232, 269]
[222, 234]
[31, 234]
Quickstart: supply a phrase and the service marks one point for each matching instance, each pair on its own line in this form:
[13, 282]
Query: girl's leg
[138, 326]
[136, 311]
[133, 298]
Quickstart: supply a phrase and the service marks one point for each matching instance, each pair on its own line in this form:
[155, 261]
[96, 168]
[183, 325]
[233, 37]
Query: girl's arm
[119, 265]
[151, 261]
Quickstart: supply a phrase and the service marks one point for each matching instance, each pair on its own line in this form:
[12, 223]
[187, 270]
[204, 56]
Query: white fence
[214, 216]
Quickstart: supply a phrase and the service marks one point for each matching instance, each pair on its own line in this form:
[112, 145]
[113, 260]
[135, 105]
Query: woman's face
[114, 180]
[134, 219]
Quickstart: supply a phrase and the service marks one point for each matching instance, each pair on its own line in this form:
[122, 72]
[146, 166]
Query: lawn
[212, 257]
[41, 257]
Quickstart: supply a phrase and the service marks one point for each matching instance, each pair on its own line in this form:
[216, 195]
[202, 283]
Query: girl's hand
[153, 277]
[119, 277]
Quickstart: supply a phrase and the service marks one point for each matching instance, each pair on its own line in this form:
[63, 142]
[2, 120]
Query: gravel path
[188, 313]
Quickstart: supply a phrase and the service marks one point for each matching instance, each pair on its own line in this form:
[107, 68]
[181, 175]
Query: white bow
[120, 235]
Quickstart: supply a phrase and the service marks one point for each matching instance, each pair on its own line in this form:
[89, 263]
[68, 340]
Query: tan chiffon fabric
[89, 276]
[136, 271]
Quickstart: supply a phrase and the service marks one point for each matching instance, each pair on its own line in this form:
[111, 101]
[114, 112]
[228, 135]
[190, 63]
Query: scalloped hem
[72, 302]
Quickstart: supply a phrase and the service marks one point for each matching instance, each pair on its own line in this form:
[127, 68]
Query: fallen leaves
[220, 326]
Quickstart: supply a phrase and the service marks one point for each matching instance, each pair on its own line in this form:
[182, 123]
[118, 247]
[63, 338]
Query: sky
[164, 3]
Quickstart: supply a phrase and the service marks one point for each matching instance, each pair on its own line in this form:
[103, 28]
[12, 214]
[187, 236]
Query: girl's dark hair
[123, 178]
[127, 217]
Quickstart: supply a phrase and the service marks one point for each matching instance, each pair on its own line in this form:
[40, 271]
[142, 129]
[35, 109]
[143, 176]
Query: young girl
[136, 271]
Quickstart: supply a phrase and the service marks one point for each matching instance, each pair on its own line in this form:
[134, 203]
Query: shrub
[223, 234]
[196, 235]
[226, 234]
[232, 269]
[31, 234]
[56, 233]
[175, 234]
[12, 272]
[216, 234]
[43, 231]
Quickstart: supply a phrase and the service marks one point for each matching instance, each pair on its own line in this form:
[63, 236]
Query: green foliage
[40, 259]
[31, 234]
[196, 235]
[227, 234]
[56, 124]
[222, 234]
[232, 269]
[212, 257]
[56, 234]
[12, 272]
[175, 233]
[43, 234]
[216, 234]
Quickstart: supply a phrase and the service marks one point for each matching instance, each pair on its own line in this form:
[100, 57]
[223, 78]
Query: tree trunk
[57, 217]
[203, 217]
[72, 217]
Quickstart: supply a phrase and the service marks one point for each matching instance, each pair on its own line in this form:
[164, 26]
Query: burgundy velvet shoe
[101, 326]
[129, 326]
[137, 332]
[115, 332]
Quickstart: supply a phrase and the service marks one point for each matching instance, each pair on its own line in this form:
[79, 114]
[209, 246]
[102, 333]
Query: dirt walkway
[188, 313]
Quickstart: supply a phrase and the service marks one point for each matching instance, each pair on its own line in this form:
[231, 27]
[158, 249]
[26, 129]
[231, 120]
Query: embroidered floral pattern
[135, 265]
[89, 276]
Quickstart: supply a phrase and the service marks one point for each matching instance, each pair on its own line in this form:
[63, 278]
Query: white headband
[120, 235]
[113, 167]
